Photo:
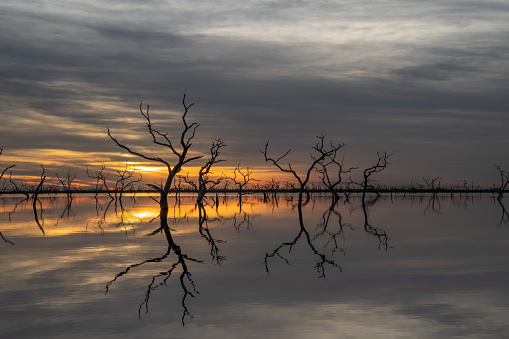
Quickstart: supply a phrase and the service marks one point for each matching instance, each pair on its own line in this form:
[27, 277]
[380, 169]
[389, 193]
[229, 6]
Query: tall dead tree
[125, 180]
[162, 139]
[66, 182]
[101, 183]
[241, 179]
[323, 153]
[331, 171]
[35, 198]
[7, 168]
[504, 181]
[380, 165]
[204, 182]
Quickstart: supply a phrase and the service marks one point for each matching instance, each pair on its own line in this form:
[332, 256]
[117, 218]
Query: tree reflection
[378, 232]
[504, 219]
[186, 281]
[203, 223]
[325, 229]
[323, 261]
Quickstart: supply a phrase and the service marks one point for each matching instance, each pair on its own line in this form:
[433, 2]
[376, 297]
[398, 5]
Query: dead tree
[101, 183]
[189, 181]
[331, 171]
[241, 180]
[66, 183]
[7, 168]
[162, 139]
[431, 184]
[380, 165]
[35, 198]
[125, 180]
[323, 153]
[504, 181]
[204, 182]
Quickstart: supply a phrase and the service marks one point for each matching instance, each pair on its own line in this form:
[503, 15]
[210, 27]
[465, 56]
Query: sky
[424, 80]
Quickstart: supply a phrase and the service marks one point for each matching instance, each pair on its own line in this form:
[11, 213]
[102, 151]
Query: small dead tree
[323, 153]
[162, 139]
[331, 171]
[101, 183]
[204, 182]
[432, 184]
[66, 183]
[241, 178]
[380, 165]
[504, 181]
[125, 180]
[7, 168]
[35, 199]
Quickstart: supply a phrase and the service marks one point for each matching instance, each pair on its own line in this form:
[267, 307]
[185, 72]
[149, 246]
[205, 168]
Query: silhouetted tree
[241, 178]
[125, 180]
[35, 198]
[331, 171]
[162, 139]
[204, 182]
[504, 181]
[66, 183]
[432, 184]
[101, 181]
[323, 153]
[380, 165]
[7, 168]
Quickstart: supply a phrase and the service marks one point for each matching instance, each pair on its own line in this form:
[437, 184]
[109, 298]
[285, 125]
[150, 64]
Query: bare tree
[433, 184]
[323, 153]
[241, 178]
[125, 180]
[7, 168]
[204, 182]
[331, 171]
[162, 139]
[101, 183]
[504, 181]
[66, 183]
[35, 198]
[380, 165]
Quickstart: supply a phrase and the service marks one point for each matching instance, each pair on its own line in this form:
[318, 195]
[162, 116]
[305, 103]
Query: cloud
[366, 73]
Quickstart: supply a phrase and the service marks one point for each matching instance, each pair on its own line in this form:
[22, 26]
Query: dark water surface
[411, 267]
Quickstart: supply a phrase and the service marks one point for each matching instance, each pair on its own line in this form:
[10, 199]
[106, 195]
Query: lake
[399, 266]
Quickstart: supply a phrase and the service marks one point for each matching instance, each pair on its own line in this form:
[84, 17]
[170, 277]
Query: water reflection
[160, 279]
[323, 259]
[388, 266]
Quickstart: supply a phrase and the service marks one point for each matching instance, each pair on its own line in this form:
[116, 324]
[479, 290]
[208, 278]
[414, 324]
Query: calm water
[415, 267]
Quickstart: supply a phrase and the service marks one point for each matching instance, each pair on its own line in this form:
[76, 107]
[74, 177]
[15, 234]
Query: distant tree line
[175, 154]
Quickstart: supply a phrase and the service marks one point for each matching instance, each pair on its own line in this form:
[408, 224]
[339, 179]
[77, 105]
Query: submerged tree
[380, 165]
[323, 153]
[162, 139]
[504, 181]
[241, 178]
[7, 168]
[66, 183]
